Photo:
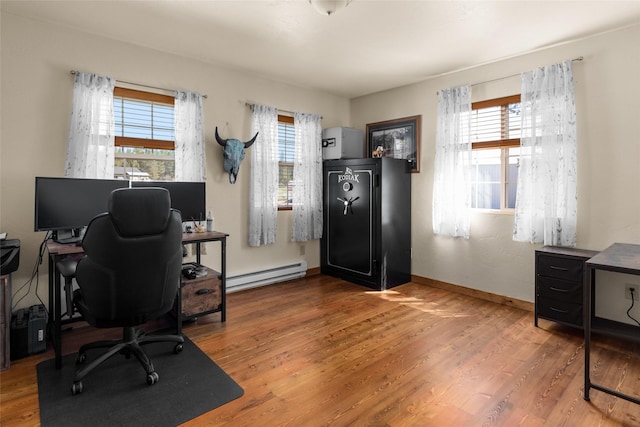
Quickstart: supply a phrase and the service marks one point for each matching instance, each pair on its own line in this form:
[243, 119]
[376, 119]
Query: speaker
[19, 334]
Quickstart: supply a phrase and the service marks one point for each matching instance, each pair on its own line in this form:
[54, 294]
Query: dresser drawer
[560, 267]
[560, 311]
[202, 294]
[564, 290]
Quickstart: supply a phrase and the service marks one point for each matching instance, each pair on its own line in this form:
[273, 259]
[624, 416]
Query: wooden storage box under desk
[201, 295]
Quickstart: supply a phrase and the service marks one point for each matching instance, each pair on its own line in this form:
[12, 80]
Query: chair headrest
[140, 211]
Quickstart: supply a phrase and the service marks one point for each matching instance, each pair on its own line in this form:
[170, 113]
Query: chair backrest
[133, 258]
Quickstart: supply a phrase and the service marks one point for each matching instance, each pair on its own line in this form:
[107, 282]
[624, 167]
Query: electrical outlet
[627, 291]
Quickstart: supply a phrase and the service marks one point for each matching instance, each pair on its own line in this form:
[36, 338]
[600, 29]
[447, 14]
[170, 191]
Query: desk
[58, 251]
[621, 258]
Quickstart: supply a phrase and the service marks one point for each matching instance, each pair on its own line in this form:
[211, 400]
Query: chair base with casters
[131, 342]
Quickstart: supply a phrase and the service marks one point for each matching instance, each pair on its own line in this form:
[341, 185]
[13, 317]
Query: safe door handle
[347, 204]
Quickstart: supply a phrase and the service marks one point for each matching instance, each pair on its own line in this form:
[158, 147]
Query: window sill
[495, 211]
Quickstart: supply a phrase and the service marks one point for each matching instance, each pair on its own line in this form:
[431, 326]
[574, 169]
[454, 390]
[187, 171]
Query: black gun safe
[367, 221]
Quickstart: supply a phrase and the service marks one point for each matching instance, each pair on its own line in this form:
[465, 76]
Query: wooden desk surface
[207, 235]
[72, 248]
[622, 257]
[63, 248]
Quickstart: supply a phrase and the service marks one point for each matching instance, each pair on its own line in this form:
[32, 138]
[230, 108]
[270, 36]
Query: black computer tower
[367, 221]
[28, 331]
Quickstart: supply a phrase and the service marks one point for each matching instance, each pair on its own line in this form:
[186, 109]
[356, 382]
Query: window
[495, 137]
[144, 135]
[286, 147]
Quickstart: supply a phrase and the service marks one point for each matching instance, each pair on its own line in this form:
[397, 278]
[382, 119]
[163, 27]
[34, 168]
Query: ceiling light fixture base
[329, 7]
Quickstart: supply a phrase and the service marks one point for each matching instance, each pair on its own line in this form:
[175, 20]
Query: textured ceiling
[371, 45]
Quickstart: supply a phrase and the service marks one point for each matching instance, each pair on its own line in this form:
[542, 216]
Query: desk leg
[588, 289]
[223, 280]
[55, 324]
[51, 307]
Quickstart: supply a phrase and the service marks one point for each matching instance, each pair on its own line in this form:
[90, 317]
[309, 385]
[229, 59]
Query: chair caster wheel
[152, 378]
[76, 388]
[178, 348]
[81, 358]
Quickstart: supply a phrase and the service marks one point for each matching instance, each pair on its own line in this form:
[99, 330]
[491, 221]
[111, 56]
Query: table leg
[223, 279]
[589, 284]
[54, 288]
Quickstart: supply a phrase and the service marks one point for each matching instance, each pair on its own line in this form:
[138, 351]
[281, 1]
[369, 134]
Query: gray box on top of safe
[343, 143]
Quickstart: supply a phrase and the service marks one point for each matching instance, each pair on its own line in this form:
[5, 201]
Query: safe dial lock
[347, 186]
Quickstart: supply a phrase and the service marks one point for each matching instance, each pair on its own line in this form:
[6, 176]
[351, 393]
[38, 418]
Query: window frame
[145, 143]
[288, 120]
[504, 143]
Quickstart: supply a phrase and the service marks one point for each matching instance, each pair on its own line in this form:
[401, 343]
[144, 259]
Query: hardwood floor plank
[321, 351]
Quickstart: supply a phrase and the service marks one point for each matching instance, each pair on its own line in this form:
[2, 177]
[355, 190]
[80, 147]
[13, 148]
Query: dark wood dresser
[559, 284]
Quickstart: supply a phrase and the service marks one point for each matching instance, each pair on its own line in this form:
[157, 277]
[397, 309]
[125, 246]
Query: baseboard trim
[487, 296]
[315, 271]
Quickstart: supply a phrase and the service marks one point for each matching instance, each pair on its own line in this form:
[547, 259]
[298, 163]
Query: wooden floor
[321, 351]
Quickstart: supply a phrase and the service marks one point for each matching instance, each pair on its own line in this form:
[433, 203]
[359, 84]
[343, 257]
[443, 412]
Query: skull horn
[251, 141]
[221, 141]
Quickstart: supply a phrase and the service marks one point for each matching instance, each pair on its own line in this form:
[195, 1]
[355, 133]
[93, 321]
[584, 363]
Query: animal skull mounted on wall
[233, 154]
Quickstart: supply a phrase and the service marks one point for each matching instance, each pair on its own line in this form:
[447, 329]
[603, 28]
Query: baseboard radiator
[266, 276]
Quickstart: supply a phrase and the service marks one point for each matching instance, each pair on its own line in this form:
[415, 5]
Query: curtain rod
[250, 105]
[579, 58]
[74, 72]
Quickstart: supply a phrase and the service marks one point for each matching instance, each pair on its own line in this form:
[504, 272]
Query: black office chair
[130, 274]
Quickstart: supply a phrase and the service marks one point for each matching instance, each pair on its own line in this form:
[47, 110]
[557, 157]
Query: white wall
[36, 104]
[607, 91]
[36, 100]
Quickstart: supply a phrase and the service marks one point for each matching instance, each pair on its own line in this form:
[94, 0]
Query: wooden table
[621, 258]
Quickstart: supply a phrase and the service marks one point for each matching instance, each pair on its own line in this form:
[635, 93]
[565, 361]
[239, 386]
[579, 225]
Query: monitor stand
[71, 236]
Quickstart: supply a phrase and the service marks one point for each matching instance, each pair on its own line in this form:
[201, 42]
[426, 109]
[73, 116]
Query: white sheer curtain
[451, 182]
[189, 137]
[263, 193]
[307, 177]
[90, 149]
[546, 202]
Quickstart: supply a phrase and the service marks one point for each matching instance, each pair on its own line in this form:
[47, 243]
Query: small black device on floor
[28, 331]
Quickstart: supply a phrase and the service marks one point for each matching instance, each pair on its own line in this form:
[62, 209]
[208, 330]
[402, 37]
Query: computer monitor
[66, 205]
[187, 197]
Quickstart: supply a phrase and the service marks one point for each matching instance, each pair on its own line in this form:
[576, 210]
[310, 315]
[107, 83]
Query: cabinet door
[349, 218]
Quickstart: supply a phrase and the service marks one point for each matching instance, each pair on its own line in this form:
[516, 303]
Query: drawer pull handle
[203, 291]
[558, 289]
[558, 310]
[553, 267]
